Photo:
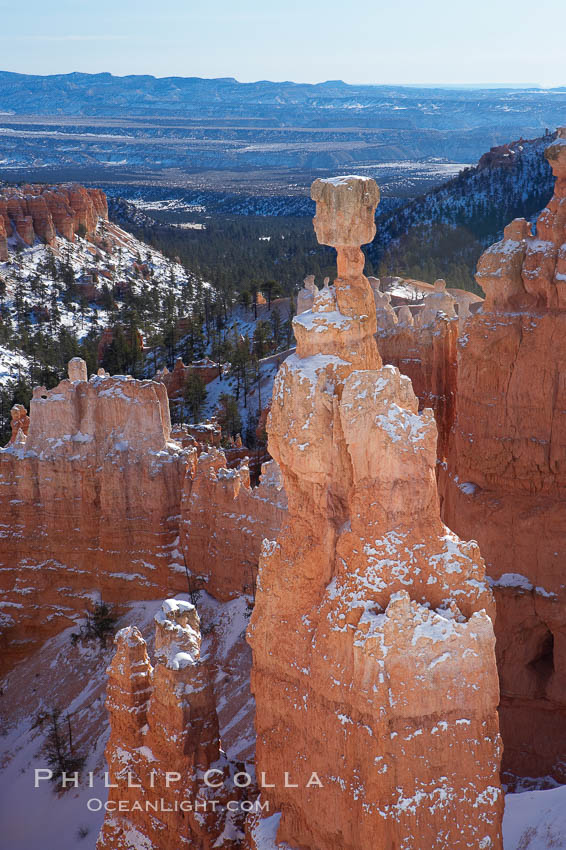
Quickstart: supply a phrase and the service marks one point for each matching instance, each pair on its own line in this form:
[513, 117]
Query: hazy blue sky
[359, 41]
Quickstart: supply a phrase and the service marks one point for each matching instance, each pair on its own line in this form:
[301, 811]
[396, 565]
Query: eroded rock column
[163, 739]
[506, 480]
[373, 646]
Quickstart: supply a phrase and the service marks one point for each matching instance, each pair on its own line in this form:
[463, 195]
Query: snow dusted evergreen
[447, 228]
[56, 303]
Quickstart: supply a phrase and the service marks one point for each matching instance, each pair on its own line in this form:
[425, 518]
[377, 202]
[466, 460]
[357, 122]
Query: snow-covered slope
[535, 820]
[482, 199]
[119, 262]
[12, 364]
[73, 678]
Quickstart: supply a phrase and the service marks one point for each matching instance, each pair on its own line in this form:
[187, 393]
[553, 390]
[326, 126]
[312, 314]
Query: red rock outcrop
[42, 212]
[3, 241]
[20, 422]
[24, 229]
[90, 502]
[41, 217]
[506, 481]
[427, 355]
[206, 369]
[164, 739]
[306, 295]
[373, 646]
[86, 216]
[4, 216]
[224, 554]
[97, 498]
[62, 214]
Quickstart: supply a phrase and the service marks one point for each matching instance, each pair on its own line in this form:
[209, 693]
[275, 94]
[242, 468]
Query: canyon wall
[224, 521]
[42, 212]
[505, 483]
[99, 502]
[3, 241]
[373, 646]
[427, 355]
[175, 380]
[90, 505]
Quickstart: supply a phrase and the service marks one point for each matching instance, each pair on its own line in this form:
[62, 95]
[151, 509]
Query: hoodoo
[372, 638]
[163, 740]
[506, 481]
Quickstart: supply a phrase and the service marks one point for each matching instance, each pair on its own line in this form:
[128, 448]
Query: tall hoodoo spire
[509, 444]
[373, 647]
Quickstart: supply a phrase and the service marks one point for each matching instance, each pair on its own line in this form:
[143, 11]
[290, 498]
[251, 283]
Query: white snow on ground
[257, 399]
[74, 679]
[535, 820]
[12, 364]
[28, 264]
[242, 322]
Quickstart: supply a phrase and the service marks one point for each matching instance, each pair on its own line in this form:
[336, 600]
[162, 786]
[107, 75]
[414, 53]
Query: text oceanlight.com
[212, 779]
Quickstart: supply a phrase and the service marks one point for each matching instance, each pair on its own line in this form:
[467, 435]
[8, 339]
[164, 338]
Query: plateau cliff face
[224, 553]
[506, 481]
[90, 502]
[97, 497]
[423, 347]
[373, 646]
[38, 212]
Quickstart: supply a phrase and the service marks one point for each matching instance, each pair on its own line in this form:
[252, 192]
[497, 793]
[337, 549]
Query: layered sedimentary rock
[24, 229]
[90, 503]
[372, 638]
[384, 312]
[97, 497]
[427, 355]
[438, 301]
[20, 422]
[506, 481]
[163, 739]
[207, 370]
[36, 211]
[224, 553]
[41, 218]
[3, 241]
[306, 295]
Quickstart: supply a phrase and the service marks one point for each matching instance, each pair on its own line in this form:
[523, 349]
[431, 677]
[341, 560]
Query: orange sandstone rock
[373, 647]
[224, 521]
[97, 497]
[3, 241]
[24, 229]
[61, 213]
[164, 738]
[4, 215]
[90, 501]
[42, 221]
[506, 480]
[206, 369]
[427, 355]
[36, 211]
[20, 422]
